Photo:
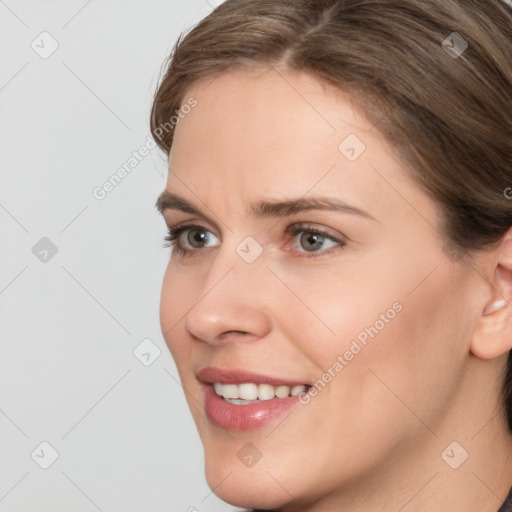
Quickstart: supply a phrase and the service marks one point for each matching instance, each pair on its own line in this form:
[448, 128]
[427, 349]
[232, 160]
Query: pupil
[313, 240]
[196, 237]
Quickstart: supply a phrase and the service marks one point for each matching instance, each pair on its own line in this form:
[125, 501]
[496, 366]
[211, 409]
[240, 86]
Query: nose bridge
[232, 296]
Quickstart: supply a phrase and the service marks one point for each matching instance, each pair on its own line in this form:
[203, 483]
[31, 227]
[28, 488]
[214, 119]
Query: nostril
[227, 334]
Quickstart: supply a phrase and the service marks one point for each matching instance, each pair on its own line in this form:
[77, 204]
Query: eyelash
[175, 230]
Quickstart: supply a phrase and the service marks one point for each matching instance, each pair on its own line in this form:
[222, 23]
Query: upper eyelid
[189, 225]
[304, 226]
[292, 229]
[296, 225]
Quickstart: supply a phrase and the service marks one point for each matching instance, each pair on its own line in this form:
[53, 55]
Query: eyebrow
[266, 208]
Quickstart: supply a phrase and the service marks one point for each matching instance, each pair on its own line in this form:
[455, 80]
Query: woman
[338, 299]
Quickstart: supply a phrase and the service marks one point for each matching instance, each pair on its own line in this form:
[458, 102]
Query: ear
[493, 334]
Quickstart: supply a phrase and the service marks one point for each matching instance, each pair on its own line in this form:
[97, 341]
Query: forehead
[265, 102]
[266, 132]
[264, 122]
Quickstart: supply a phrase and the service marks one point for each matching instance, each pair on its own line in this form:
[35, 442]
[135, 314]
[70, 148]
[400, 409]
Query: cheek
[409, 367]
[383, 337]
[337, 307]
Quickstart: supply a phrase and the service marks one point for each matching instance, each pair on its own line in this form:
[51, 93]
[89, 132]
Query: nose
[231, 304]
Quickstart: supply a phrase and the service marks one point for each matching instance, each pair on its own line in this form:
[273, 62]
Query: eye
[188, 238]
[306, 239]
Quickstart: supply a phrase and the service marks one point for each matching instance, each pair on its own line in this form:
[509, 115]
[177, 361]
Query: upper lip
[212, 374]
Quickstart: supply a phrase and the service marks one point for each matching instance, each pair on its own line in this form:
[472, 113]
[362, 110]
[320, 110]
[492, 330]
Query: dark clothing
[507, 506]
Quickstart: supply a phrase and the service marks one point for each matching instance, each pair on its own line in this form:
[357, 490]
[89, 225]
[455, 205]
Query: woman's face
[280, 287]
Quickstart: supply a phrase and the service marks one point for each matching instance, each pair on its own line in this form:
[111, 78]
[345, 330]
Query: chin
[245, 487]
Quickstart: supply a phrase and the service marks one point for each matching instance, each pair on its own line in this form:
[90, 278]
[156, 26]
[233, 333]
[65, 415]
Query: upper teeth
[250, 391]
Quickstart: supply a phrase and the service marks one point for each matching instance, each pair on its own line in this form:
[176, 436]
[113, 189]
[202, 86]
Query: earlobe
[492, 307]
[493, 335]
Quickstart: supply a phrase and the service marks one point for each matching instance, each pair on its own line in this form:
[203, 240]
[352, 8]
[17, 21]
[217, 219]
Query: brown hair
[445, 107]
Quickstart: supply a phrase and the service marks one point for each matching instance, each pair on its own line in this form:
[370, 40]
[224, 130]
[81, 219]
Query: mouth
[238, 400]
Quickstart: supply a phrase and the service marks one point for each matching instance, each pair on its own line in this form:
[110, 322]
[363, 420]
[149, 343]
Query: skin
[372, 438]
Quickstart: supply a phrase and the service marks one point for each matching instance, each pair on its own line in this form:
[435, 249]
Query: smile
[236, 400]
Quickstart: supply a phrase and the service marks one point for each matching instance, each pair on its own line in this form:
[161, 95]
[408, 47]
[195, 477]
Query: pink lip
[211, 374]
[242, 417]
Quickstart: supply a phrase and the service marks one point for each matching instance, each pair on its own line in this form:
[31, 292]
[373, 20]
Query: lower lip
[245, 417]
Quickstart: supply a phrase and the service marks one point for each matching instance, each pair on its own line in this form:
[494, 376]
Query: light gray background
[70, 324]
